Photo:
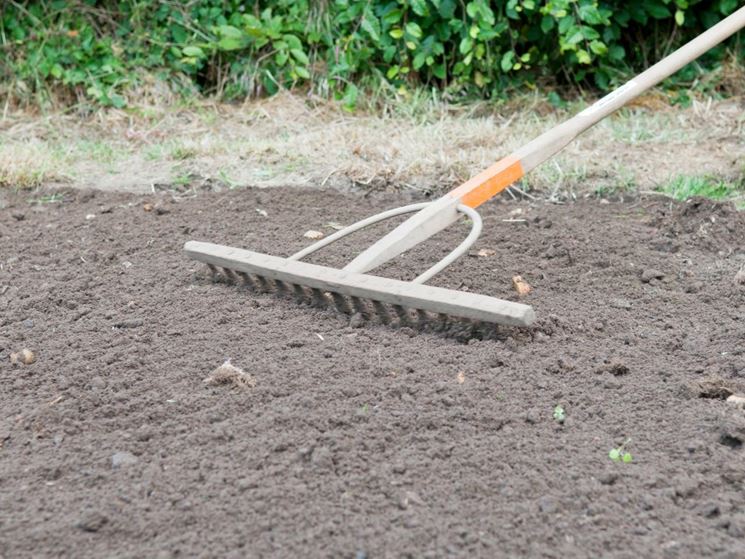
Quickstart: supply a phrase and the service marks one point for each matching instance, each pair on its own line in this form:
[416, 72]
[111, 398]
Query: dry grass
[304, 141]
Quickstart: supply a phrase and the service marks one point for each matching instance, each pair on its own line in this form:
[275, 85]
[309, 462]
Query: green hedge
[237, 48]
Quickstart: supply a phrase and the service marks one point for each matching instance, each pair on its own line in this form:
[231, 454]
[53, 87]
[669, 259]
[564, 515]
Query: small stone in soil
[620, 304]
[737, 400]
[92, 522]
[123, 459]
[650, 273]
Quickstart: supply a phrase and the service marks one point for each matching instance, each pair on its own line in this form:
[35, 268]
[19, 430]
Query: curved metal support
[460, 250]
[357, 226]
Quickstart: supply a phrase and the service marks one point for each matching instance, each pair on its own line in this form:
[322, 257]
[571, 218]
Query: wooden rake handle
[503, 173]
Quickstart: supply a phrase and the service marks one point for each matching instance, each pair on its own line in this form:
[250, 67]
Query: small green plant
[620, 454]
[684, 187]
[48, 199]
[560, 414]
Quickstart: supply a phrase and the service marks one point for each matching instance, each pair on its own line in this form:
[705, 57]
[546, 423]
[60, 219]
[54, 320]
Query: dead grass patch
[306, 141]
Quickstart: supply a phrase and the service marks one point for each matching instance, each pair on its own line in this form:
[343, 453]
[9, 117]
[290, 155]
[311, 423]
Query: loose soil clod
[522, 287]
[229, 374]
[23, 357]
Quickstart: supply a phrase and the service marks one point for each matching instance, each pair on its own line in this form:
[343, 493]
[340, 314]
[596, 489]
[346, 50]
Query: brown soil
[369, 442]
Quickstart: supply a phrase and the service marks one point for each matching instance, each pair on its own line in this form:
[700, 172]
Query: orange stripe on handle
[489, 182]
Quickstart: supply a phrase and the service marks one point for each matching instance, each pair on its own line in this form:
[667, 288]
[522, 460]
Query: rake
[352, 290]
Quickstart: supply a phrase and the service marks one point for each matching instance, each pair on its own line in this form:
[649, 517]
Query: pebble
[123, 459]
[92, 522]
[737, 400]
[740, 277]
[620, 304]
[322, 457]
[28, 323]
[650, 273]
[547, 504]
[131, 323]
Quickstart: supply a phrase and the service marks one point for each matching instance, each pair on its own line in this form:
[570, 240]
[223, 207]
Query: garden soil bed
[369, 442]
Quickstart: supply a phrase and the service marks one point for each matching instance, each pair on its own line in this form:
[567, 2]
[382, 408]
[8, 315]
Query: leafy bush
[237, 48]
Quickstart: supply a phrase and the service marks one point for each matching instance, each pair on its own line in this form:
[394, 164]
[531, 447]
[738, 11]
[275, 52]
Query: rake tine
[229, 276]
[360, 307]
[247, 281]
[283, 289]
[213, 272]
[263, 283]
[443, 322]
[300, 293]
[422, 319]
[340, 302]
[382, 312]
[318, 298]
[403, 315]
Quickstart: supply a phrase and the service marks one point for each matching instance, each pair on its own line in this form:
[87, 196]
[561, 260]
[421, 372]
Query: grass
[683, 187]
[422, 144]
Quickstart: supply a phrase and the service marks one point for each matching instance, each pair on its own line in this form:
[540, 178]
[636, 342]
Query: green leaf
[627, 457]
[230, 43]
[396, 33]
[598, 47]
[300, 56]
[302, 72]
[507, 60]
[349, 101]
[371, 26]
[614, 454]
[680, 17]
[446, 9]
[616, 52]
[419, 7]
[418, 61]
[195, 52]
[657, 10]
[392, 72]
[414, 30]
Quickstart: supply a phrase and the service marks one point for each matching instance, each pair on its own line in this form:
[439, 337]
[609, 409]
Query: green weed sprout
[620, 454]
[560, 414]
